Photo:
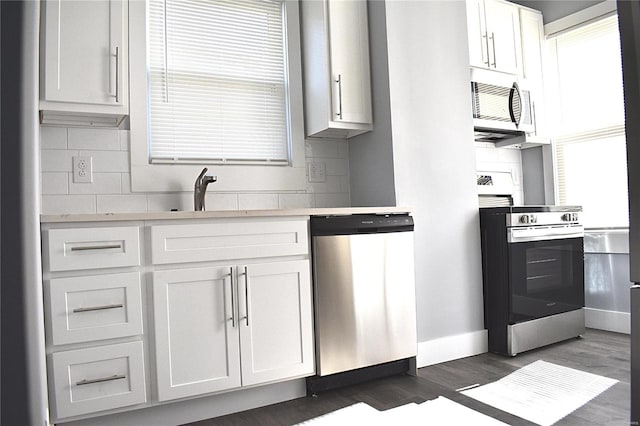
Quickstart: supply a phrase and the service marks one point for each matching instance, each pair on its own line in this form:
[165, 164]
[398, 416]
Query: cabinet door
[503, 32]
[349, 53]
[275, 327]
[532, 33]
[477, 32]
[85, 51]
[196, 332]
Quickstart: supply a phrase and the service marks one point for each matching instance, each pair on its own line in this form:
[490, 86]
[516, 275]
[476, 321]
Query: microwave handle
[515, 91]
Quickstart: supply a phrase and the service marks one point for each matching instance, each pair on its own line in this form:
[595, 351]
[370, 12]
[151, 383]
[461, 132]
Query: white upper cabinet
[494, 35]
[532, 34]
[337, 75]
[84, 62]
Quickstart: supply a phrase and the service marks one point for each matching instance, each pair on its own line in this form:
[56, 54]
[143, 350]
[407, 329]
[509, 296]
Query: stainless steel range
[533, 275]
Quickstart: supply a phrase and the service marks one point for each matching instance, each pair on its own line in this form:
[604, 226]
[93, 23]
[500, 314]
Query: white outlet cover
[317, 172]
[82, 169]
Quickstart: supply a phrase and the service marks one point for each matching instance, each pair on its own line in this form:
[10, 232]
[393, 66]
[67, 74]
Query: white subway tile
[345, 184]
[343, 150]
[221, 201]
[321, 149]
[124, 140]
[108, 161]
[333, 200]
[53, 137]
[103, 183]
[337, 166]
[56, 160]
[124, 203]
[257, 201]
[94, 139]
[510, 155]
[55, 183]
[485, 153]
[68, 204]
[295, 201]
[182, 201]
[332, 185]
[126, 183]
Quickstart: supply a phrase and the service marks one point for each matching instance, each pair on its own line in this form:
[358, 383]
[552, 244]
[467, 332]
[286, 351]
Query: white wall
[111, 187]
[424, 94]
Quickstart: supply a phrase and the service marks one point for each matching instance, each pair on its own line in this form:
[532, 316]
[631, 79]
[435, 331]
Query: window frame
[158, 177]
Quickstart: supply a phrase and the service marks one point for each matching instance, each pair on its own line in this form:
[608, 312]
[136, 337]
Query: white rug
[542, 392]
[438, 412]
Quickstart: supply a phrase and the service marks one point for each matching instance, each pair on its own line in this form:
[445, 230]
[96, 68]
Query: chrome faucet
[200, 189]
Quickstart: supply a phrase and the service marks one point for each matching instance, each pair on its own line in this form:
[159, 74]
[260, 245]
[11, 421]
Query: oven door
[546, 278]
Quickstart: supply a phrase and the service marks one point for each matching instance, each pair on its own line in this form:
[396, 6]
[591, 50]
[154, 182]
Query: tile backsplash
[110, 191]
[492, 159]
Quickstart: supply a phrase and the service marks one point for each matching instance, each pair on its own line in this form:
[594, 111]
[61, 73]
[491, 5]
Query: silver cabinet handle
[117, 74]
[486, 44]
[233, 314]
[246, 294]
[102, 379]
[339, 81]
[535, 122]
[99, 308]
[493, 42]
[101, 247]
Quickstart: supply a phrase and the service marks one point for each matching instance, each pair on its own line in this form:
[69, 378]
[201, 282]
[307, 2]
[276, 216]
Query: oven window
[547, 277]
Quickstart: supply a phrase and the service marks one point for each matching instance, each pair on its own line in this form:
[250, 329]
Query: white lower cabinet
[196, 343]
[220, 328]
[97, 378]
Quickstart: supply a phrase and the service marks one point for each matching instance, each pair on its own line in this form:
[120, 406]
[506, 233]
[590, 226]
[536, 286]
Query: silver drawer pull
[100, 380]
[99, 308]
[103, 247]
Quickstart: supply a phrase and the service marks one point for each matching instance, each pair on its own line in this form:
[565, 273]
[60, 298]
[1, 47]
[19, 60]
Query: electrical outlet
[317, 172]
[82, 169]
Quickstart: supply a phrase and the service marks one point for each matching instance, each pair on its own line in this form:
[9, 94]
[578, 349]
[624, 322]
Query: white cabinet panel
[503, 32]
[89, 248]
[84, 64]
[224, 241]
[494, 35]
[196, 332]
[98, 378]
[275, 329]
[83, 309]
[349, 44]
[337, 75]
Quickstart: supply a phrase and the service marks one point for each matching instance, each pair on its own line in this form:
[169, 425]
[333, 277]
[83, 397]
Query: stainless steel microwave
[501, 105]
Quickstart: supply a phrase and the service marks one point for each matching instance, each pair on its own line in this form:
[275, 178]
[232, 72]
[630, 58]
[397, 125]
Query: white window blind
[217, 81]
[590, 143]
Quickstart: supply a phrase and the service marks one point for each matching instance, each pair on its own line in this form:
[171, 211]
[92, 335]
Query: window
[216, 84]
[590, 139]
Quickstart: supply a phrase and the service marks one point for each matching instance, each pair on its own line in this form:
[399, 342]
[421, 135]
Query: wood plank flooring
[598, 352]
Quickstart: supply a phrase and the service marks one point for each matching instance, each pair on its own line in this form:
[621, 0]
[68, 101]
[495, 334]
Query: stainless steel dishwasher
[364, 288]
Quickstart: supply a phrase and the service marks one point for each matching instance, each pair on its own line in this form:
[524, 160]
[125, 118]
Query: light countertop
[114, 217]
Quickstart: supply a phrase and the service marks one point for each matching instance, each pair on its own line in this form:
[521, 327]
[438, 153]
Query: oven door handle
[542, 233]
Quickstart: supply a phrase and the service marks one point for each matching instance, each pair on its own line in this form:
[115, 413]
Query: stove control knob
[525, 218]
[566, 217]
[534, 218]
[574, 217]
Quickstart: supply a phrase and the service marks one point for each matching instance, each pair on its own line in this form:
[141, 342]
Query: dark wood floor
[597, 352]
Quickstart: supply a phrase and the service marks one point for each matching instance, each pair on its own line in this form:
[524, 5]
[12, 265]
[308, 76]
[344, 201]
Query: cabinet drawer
[96, 307]
[89, 248]
[98, 378]
[224, 241]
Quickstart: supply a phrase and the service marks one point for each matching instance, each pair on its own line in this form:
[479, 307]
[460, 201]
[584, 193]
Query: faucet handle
[202, 173]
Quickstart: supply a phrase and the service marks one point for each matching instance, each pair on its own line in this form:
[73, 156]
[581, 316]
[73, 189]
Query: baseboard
[451, 347]
[619, 322]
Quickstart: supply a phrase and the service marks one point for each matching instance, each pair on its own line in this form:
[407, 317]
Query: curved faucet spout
[200, 188]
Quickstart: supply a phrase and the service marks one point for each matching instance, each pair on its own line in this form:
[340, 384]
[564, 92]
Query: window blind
[590, 144]
[217, 81]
